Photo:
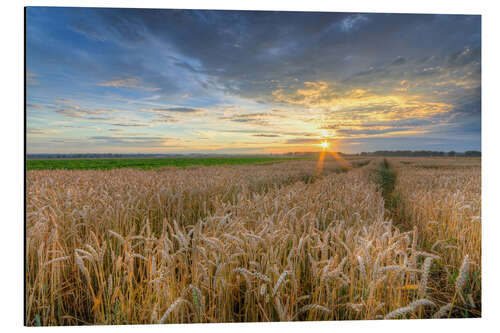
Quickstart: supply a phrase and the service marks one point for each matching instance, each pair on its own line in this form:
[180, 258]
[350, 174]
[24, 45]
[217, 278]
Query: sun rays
[321, 159]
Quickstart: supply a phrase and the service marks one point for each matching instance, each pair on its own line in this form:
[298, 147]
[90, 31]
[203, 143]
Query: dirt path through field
[392, 201]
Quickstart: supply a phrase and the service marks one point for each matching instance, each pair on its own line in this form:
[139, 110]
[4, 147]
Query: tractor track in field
[393, 204]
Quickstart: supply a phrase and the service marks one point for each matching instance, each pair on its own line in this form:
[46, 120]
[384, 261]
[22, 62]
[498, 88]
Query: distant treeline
[399, 153]
[422, 153]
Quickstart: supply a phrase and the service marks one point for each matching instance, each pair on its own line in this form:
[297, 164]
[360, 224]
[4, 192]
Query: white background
[12, 177]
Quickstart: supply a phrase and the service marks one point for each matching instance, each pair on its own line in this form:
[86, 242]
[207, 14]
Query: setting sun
[324, 144]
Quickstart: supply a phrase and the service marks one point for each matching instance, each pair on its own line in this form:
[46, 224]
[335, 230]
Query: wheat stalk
[425, 276]
[443, 311]
[278, 283]
[409, 308]
[462, 275]
[310, 307]
[170, 309]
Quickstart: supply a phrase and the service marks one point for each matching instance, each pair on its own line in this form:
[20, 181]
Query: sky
[108, 80]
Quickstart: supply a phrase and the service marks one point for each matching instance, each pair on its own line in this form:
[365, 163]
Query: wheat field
[286, 241]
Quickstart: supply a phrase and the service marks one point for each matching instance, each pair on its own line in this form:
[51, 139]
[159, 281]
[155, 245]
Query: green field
[140, 163]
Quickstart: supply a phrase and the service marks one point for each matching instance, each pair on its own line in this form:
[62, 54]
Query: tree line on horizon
[402, 153]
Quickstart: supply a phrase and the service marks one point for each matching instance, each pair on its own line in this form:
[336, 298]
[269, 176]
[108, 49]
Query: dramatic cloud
[136, 140]
[397, 79]
[129, 124]
[352, 22]
[130, 83]
[63, 101]
[260, 118]
[302, 141]
[77, 112]
[184, 110]
[267, 135]
[31, 79]
[164, 119]
[398, 61]
[35, 131]
[34, 106]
